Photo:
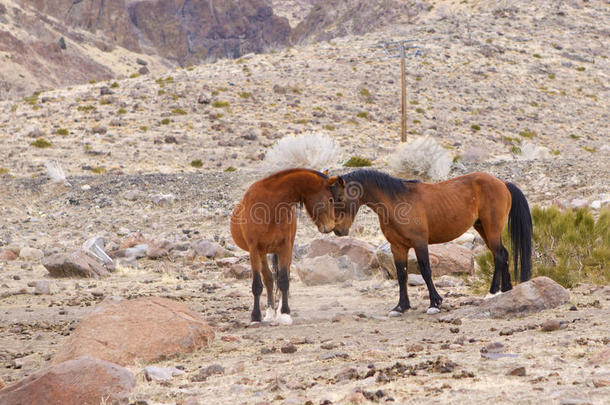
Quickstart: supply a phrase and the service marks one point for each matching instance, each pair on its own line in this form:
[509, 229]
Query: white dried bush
[55, 172]
[314, 151]
[531, 151]
[422, 156]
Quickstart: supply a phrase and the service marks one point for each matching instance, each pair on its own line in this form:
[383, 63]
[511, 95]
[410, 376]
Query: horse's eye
[330, 200]
[339, 199]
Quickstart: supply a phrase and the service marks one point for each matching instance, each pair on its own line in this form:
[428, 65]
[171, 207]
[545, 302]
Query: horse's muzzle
[341, 232]
[324, 229]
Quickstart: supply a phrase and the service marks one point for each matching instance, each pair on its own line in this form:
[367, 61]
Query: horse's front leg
[400, 261]
[423, 260]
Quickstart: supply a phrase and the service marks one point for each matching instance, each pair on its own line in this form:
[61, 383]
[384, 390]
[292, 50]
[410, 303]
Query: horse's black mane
[388, 184]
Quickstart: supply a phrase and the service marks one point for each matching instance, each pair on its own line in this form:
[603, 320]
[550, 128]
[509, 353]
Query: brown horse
[265, 221]
[414, 214]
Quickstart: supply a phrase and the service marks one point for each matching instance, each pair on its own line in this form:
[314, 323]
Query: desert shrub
[98, 170]
[357, 161]
[230, 169]
[220, 104]
[422, 156]
[86, 108]
[178, 111]
[475, 127]
[314, 150]
[197, 163]
[527, 133]
[165, 121]
[121, 111]
[41, 143]
[244, 94]
[362, 114]
[570, 246]
[114, 85]
[4, 170]
[62, 131]
[302, 121]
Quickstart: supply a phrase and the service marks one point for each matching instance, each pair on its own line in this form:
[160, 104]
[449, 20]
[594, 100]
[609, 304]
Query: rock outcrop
[144, 329]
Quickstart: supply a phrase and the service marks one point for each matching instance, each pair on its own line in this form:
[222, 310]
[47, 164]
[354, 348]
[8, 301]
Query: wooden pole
[403, 121]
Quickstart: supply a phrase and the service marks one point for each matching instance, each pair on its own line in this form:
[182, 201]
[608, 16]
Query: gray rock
[75, 264]
[138, 251]
[327, 270]
[211, 250]
[153, 373]
[30, 254]
[416, 279]
[361, 253]
[163, 200]
[532, 296]
[238, 271]
[95, 248]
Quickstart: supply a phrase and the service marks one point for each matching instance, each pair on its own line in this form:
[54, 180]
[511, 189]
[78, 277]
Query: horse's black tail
[520, 229]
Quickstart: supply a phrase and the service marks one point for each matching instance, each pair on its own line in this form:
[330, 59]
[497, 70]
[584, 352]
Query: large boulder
[84, 380]
[538, 294]
[144, 329]
[327, 270]
[361, 253]
[75, 264]
[445, 259]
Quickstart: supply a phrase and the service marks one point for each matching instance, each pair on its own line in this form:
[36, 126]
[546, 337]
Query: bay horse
[413, 214]
[265, 221]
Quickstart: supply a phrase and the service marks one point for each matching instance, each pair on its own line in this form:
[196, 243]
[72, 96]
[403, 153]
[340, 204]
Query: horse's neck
[295, 187]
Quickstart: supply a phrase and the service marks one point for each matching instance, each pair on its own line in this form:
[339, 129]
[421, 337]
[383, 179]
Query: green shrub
[3, 170]
[580, 68]
[357, 161]
[570, 247]
[114, 85]
[98, 170]
[121, 111]
[364, 92]
[302, 121]
[419, 110]
[165, 121]
[537, 55]
[134, 75]
[160, 92]
[220, 104]
[527, 133]
[61, 131]
[178, 111]
[515, 149]
[329, 127]
[143, 128]
[589, 149]
[244, 94]
[475, 127]
[230, 169]
[41, 143]
[85, 108]
[104, 101]
[197, 163]
[362, 114]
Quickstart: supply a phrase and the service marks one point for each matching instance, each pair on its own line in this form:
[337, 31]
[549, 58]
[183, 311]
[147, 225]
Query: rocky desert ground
[515, 88]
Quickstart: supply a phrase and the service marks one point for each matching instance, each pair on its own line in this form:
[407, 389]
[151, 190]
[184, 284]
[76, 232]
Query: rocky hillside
[54, 43]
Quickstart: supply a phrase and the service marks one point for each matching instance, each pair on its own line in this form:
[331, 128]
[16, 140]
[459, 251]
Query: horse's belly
[449, 231]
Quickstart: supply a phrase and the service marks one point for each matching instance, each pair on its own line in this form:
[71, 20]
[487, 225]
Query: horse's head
[347, 202]
[320, 204]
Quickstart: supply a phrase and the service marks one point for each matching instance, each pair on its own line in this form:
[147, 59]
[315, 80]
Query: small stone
[506, 332]
[31, 254]
[163, 200]
[550, 325]
[153, 373]
[518, 372]
[7, 256]
[289, 348]
[132, 195]
[141, 62]
[416, 279]
[105, 91]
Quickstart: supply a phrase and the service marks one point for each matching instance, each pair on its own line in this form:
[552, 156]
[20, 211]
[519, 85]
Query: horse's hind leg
[257, 284]
[423, 260]
[493, 239]
[283, 283]
[400, 260]
[268, 281]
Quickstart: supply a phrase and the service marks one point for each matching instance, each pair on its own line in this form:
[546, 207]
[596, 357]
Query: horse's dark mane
[384, 182]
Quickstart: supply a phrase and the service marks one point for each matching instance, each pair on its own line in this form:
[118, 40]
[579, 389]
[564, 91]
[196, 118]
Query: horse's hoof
[284, 319]
[433, 310]
[269, 315]
[490, 295]
[394, 314]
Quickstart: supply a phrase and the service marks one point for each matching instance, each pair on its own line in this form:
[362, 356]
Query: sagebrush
[423, 156]
[570, 246]
[314, 151]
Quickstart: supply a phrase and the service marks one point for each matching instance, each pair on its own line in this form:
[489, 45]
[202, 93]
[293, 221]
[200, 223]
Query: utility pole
[398, 49]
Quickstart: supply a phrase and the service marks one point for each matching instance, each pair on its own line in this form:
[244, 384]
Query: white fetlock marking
[433, 310]
[490, 295]
[254, 323]
[284, 319]
[269, 315]
[394, 314]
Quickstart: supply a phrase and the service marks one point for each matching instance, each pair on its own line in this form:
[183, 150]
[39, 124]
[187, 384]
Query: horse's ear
[336, 180]
[325, 172]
